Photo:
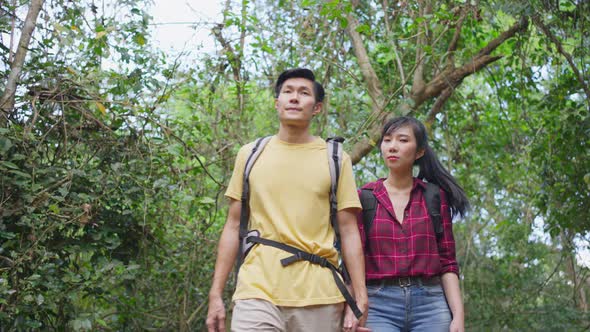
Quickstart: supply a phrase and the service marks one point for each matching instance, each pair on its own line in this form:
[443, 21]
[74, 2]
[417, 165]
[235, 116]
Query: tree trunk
[7, 100]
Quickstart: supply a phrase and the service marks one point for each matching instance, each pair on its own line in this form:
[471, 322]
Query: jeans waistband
[405, 281]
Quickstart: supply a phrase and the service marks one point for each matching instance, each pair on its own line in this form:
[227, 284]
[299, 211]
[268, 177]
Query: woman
[411, 270]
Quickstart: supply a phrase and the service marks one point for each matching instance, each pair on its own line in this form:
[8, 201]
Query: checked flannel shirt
[409, 249]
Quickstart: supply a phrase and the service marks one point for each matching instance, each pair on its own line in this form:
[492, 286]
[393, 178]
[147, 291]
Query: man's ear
[317, 108]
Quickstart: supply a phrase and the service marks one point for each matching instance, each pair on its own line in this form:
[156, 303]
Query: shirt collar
[379, 187]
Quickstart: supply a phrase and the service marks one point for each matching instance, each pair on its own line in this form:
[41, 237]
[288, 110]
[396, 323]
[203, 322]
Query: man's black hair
[318, 89]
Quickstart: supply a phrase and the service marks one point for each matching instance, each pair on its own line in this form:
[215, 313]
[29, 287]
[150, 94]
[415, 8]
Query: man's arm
[352, 254]
[226, 256]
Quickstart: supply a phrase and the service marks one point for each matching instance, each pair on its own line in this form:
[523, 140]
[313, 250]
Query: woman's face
[400, 149]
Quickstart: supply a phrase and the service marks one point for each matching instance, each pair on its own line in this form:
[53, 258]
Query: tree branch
[418, 83]
[438, 105]
[7, 100]
[568, 57]
[454, 77]
[369, 75]
[453, 44]
[365, 145]
[234, 58]
[448, 79]
[521, 25]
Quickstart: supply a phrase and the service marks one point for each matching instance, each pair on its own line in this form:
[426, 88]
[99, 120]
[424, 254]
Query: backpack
[249, 238]
[431, 195]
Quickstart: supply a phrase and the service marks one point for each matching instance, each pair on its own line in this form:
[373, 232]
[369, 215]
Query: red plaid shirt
[411, 248]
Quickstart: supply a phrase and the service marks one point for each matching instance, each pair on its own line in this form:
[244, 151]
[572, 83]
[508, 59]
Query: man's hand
[226, 256]
[216, 314]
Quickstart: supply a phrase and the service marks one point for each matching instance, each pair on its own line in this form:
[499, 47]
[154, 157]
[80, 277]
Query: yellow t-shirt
[289, 203]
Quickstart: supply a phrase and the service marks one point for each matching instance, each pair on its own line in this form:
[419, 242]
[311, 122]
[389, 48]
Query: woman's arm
[450, 284]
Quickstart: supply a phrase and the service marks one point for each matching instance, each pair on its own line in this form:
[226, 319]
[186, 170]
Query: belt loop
[421, 281]
[405, 282]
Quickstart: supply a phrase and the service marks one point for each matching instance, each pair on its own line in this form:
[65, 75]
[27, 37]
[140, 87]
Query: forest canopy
[114, 155]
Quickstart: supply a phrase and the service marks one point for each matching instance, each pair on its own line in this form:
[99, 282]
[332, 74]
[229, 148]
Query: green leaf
[54, 208]
[101, 34]
[5, 144]
[7, 235]
[139, 39]
[21, 174]
[363, 28]
[207, 200]
[8, 164]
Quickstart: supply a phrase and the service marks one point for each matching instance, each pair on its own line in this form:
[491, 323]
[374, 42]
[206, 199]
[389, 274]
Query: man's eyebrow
[298, 87]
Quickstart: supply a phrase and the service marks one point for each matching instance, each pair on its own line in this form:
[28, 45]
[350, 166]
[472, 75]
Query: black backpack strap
[245, 211]
[369, 203]
[299, 255]
[433, 205]
[432, 197]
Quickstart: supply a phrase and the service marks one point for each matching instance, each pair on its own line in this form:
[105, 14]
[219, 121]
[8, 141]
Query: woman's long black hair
[431, 168]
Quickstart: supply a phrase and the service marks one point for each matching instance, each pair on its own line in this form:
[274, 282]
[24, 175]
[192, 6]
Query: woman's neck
[400, 182]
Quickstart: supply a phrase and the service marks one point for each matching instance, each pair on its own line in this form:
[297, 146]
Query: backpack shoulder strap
[245, 210]
[334, 145]
[369, 204]
[432, 197]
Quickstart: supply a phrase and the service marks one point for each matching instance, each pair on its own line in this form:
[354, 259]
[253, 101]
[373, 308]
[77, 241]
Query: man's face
[296, 101]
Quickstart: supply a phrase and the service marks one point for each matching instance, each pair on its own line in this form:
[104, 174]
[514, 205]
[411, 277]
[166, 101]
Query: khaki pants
[260, 315]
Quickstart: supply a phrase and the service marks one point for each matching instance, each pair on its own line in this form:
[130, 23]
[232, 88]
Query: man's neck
[296, 135]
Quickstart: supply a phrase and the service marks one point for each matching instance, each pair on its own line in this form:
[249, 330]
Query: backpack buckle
[247, 244]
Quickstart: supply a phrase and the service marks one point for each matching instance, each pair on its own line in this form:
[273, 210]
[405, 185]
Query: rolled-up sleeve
[446, 245]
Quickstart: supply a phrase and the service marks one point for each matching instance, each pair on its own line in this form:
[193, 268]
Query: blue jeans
[413, 308]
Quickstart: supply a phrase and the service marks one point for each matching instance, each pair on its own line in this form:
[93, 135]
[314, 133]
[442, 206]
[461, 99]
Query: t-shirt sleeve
[347, 194]
[234, 187]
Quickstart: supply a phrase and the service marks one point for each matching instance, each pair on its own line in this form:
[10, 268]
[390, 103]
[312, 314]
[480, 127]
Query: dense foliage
[114, 156]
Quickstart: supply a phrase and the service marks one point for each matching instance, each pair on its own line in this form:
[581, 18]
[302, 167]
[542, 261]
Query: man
[289, 203]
